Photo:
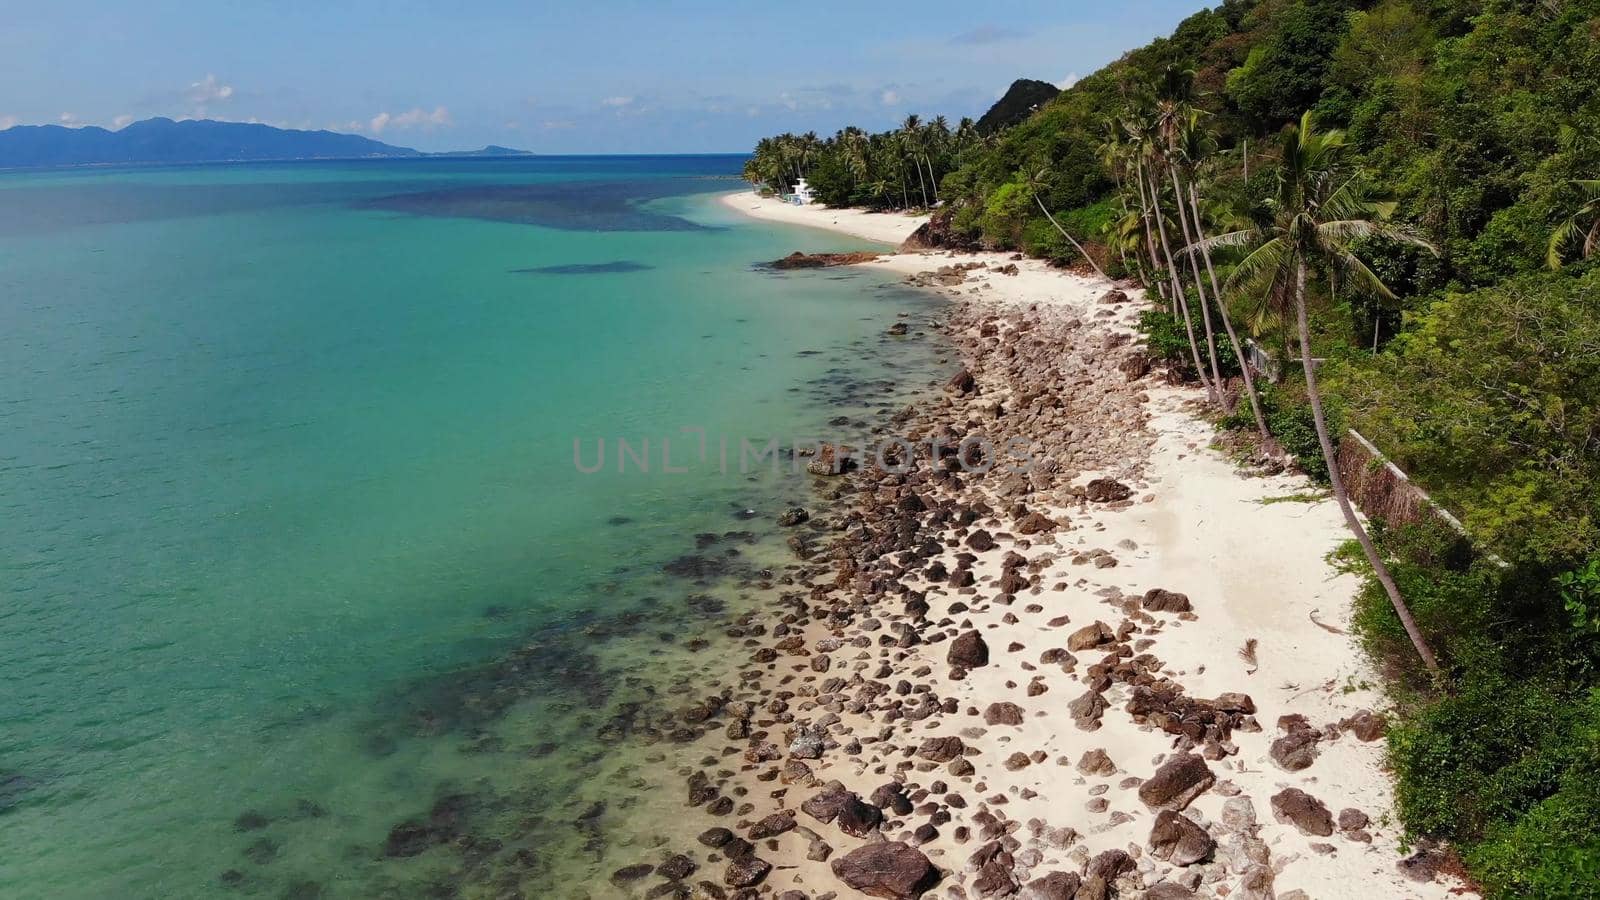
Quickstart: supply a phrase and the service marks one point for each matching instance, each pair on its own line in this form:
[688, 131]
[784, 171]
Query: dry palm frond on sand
[1248, 654]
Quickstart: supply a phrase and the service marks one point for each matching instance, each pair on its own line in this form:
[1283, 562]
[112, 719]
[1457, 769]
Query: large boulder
[1107, 490]
[892, 870]
[1366, 725]
[1296, 750]
[1179, 840]
[1003, 713]
[968, 651]
[1035, 523]
[1180, 779]
[1305, 812]
[746, 871]
[937, 234]
[1163, 600]
[1090, 636]
[941, 749]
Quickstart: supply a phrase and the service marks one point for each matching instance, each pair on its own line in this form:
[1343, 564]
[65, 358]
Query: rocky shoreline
[960, 690]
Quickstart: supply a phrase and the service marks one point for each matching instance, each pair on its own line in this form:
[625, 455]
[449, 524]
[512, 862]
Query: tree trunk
[933, 180]
[917, 164]
[1150, 242]
[1077, 246]
[1227, 323]
[1205, 306]
[1177, 291]
[1339, 492]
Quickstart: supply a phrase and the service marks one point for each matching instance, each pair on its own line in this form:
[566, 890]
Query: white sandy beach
[1253, 570]
[885, 228]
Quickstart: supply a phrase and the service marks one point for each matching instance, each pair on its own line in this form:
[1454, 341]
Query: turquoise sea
[293, 549]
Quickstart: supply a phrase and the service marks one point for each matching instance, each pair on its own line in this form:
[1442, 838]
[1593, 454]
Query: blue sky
[606, 76]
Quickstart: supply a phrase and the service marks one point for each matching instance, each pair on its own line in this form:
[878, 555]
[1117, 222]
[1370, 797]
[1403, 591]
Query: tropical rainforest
[1400, 202]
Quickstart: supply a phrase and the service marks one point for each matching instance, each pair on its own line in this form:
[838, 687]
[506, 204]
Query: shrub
[1291, 422]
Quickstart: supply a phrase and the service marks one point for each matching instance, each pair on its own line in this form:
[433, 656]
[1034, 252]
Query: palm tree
[1145, 131]
[911, 138]
[1574, 231]
[1033, 185]
[1319, 210]
[1178, 131]
[1120, 157]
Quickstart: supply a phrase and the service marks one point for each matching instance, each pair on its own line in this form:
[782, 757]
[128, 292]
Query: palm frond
[1363, 279]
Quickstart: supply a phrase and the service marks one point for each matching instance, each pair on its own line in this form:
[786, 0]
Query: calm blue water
[292, 545]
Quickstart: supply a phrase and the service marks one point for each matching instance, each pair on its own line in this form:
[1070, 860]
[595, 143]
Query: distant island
[162, 140]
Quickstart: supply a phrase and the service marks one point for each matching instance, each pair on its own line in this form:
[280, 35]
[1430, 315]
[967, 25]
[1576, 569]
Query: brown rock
[798, 260]
[1090, 636]
[1051, 886]
[1088, 709]
[746, 871]
[1035, 523]
[1305, 812]
[1366, 725]
[1096, 762]
[892, 870]
[968, 651]
[1174, 786]
[1107, 490]
[941, 749]
[1163, 600]
[1177, 839]
[858, 819]
[1003, 714]
[1296, 750]
[772, 826]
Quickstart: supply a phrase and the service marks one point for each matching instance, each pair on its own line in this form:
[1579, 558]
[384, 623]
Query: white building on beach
[802, 195]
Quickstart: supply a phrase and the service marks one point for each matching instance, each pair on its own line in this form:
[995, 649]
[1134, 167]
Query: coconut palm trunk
[1076, 246]
[1150, 241]
[1177, 290]
[1340, 494]
[1227, 323]
[1189, 239]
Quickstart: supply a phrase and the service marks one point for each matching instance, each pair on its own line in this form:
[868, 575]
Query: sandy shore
[1125, 671]
[885, 228]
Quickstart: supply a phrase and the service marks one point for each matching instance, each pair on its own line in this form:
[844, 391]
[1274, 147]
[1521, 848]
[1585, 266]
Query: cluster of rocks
[841, 677]
[798, 260]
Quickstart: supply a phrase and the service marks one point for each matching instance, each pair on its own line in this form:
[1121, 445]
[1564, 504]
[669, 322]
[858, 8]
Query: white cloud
[122, 121]
[7, 122]
[1069, 81]
[617, 102]
[415, 117]
[207, 92]
[557, 124]
[889, 97]
[70, 120]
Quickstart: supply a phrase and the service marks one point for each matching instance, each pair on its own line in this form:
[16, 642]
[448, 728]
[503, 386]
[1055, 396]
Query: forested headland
[1400, 202]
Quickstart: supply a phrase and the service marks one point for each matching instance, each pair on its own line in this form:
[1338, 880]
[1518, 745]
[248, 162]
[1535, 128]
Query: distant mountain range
[162, 140]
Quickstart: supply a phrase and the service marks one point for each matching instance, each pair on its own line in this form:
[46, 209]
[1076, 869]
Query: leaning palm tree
[1034, 188]
[1319, 210]
[1144, 130]
[1580, 231]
